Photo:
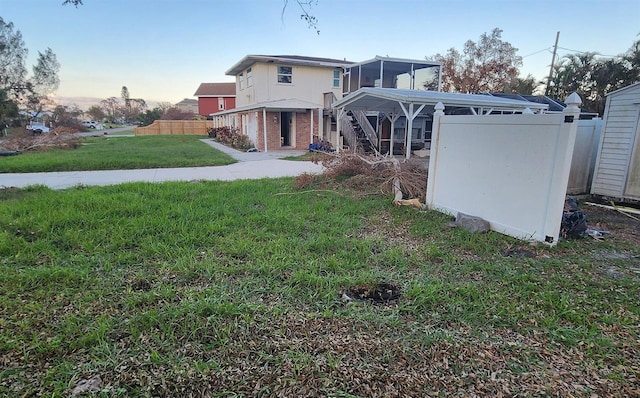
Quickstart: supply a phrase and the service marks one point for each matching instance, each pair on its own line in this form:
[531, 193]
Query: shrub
[230, 137]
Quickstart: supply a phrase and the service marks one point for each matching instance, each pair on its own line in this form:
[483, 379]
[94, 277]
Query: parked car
[38, 128]
[90, 124]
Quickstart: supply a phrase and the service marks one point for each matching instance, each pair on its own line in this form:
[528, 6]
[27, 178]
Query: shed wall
[614, 165]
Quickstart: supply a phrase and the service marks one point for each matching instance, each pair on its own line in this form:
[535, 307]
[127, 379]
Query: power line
[537, 52]
[587, 52]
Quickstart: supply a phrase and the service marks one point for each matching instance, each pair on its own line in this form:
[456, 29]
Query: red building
[215, 97]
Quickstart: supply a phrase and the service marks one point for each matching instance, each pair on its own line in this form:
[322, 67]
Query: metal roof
[388, 100]
[398, 60]
[249, 60]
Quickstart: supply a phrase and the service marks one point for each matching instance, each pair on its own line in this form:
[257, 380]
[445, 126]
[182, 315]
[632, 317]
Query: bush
[230, 137]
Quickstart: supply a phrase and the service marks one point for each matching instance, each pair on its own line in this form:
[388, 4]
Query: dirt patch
[378, 293]
[621, 227]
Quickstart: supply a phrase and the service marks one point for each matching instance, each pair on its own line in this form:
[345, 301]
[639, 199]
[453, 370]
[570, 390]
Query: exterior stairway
[359, 133]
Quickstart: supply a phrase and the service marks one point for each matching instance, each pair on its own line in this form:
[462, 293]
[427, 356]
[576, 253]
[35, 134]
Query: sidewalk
[251, 165]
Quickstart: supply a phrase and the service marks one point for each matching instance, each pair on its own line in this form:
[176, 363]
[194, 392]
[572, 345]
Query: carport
[394, 104]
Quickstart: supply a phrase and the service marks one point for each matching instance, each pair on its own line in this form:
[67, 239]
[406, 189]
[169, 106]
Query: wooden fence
[175, 127]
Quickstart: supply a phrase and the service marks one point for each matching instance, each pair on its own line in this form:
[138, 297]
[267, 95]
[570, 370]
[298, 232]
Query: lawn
[119, 153]
[240, 289]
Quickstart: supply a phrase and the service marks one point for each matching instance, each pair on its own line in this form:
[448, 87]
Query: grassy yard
[119, 153]
[236, 290]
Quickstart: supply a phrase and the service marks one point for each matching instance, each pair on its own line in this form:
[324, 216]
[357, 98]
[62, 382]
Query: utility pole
[553, 60]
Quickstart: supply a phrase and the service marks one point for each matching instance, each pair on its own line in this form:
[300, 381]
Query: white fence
[585, 152]
[511, 170]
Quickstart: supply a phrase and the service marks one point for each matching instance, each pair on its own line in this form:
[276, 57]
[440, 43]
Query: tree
[164, 106]
[525, 86]
[486, 66]
[44, 81]
[148, 117]
[31, 92]
[66, 115]
[110, 107]
[593, 76]
[175, 113]
[95, 113]
[13, 55]
[8, 110]
[632, 58]
[132, 106]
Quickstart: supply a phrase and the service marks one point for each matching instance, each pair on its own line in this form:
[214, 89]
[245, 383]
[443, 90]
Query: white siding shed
[617, 171]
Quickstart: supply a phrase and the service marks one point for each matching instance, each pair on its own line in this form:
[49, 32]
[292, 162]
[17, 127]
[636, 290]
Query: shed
[617, 171]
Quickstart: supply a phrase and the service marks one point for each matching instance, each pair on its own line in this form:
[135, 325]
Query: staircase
[359, 133]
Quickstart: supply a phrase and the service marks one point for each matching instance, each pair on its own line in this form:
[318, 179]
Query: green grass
[119, 153]
[231, 289]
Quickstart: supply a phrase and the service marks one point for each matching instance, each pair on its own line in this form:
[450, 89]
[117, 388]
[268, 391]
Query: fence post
[561, 168]
[433, 155]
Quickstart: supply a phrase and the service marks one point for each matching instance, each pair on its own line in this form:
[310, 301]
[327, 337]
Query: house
[617, 171]
[288, 101]
[215, 97]
[281, 98]
[188, 105]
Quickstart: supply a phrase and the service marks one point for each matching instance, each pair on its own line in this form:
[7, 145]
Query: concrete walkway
[251, 165]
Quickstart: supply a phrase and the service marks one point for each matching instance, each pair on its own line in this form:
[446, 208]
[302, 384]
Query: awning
[391, 100]
[284, 105]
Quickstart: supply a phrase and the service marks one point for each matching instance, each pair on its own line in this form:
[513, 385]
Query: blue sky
[163, 49]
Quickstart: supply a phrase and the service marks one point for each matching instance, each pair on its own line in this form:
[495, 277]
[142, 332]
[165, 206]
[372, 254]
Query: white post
[264, 127]
[433, 158]
[311, 138]
[561, 169]
[320, 125]
[407, 136]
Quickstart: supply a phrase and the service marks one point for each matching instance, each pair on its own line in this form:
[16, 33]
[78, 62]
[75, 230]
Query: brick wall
[302, 132]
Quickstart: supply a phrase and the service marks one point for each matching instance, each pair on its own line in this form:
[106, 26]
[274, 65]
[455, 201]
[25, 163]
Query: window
[336, 78]
[221, 103]
[241, 78]
[249, 78]
[285, 74]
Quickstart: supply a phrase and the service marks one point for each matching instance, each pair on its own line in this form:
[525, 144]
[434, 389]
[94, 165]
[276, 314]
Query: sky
[163, 49]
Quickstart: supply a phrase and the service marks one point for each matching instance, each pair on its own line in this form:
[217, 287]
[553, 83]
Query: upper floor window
[221, 103]
[336, 78]
[249, 78]
[285, 74]
[241, 79]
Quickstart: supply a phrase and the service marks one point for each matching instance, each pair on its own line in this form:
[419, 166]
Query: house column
[410, 114]
[393, 118]
[320, 125]
[311, 135]
[264, 127]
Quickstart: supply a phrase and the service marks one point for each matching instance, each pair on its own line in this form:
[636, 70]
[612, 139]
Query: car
[38, 128]
[90, 124]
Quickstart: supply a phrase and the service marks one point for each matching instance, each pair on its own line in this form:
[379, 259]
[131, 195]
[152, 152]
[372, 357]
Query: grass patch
[120, 153]
[228, 289]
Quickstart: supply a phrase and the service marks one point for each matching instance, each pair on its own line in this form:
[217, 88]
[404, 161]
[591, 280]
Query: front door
[285, 128]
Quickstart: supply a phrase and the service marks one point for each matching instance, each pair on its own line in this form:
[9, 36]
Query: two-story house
[280, 99]
[215, 97]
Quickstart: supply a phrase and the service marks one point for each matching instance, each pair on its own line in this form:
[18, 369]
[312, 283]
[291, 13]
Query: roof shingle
[216, 89]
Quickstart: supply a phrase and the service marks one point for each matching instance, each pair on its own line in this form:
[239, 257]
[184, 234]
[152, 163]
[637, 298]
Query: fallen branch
[406, 179]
